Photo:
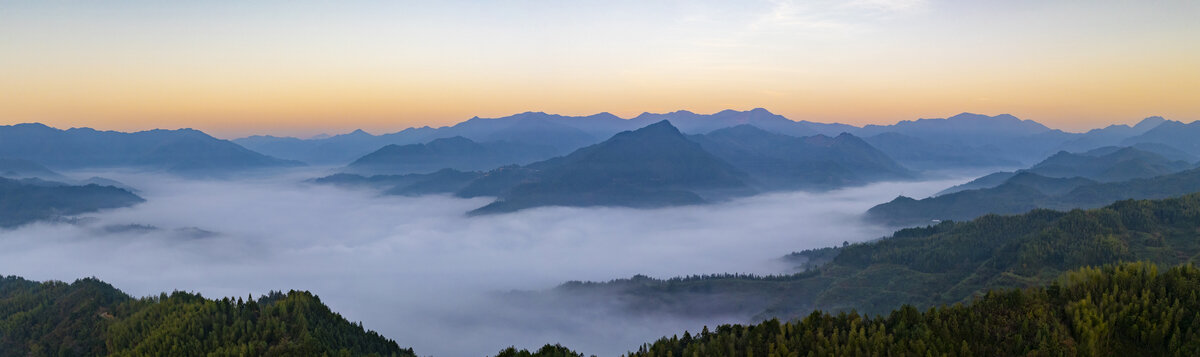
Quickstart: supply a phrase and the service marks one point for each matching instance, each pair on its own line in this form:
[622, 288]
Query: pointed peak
[967, 115]
[1149, 122]
[661, 124]
[603, 115]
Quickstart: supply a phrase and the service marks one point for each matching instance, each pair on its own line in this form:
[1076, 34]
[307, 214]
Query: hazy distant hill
[1108, 165]
[1171, 133]
[653, 166]
[28, 200]
[1027, 191]
[1111, 135]
[182, 151]
[1166, 151]
[18, 168]
[649, 167]
[965, 140]
[1104, 164]
[777, 161]
[563, 133]
[456, 153]
[930, 155]
[442, 181]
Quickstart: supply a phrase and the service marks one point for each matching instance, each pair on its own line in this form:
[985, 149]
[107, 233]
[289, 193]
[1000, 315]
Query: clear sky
[304, 67]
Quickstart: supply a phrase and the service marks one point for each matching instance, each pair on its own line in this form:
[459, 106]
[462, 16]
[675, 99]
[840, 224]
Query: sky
[235, 68]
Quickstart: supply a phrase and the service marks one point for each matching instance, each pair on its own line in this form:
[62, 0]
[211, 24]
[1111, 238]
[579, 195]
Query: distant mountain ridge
[649, 167]
[653, 166]
[183, 151]
[457, 153]
[962, 140]
[779, 161]
[1063, 181]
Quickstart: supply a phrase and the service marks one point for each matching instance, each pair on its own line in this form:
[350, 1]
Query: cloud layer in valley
[417, 269]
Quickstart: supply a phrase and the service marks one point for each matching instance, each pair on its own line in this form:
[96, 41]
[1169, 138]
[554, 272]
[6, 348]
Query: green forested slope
[1119, 310]
[91, 318]
[943, 264]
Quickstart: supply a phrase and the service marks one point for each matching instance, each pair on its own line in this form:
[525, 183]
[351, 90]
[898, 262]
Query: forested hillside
[1120, 310]
[91, 318]
[943, 264]
[28, 200]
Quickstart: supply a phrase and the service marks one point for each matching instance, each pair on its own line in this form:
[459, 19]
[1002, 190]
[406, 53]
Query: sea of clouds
[418, 270]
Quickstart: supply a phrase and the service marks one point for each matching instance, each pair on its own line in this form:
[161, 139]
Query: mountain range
[183, 151]
[777, 161]
[654, 166]
[1063, 181]
[961, 141]
[457, 153]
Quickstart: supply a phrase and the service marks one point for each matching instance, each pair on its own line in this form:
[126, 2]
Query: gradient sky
[303, 67]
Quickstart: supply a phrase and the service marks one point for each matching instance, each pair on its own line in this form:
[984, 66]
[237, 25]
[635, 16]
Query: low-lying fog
[417, 270]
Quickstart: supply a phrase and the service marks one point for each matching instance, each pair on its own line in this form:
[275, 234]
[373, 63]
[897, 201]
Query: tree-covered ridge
[943, 264]
[555, 350]
[91, 318]
[29, 200]
[1118, 310]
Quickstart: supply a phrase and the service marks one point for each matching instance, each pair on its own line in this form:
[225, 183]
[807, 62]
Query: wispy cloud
[830, 16]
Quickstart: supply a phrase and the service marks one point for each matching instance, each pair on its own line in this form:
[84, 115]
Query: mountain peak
[1149, 123]
[973, 116]
[661, 127]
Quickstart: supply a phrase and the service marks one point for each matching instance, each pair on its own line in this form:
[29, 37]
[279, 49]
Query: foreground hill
[943, 264]
[28, 200]
[1119, 310]
[457, 153]
[91, 318]
[183, 151]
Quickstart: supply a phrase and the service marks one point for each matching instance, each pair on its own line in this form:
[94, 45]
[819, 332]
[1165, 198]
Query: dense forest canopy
[92, 318]
[1118, 310]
